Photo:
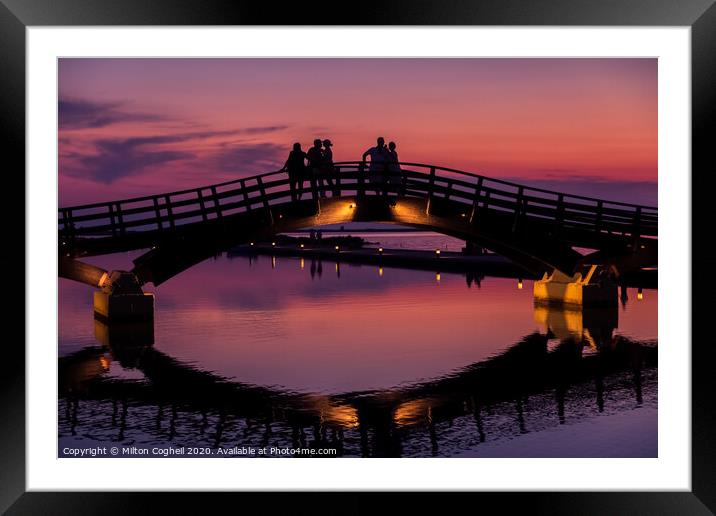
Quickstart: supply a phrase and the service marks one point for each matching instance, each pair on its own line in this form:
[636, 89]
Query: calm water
[365, 360]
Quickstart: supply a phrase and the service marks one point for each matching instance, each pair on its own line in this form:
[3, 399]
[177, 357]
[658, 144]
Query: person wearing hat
[327, 168]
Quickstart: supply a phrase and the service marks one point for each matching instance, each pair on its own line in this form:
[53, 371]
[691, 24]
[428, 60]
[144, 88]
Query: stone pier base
[576, 290]
[121, 299]
[123, 307]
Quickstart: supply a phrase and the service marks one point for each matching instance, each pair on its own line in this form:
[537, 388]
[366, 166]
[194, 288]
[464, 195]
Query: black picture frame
[17, 15]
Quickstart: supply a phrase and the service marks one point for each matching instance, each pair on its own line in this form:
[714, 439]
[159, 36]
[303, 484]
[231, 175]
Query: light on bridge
[338, 249]
[437, 252]
[251, 244]
[301, 246]
[380, 250]
[273, 244]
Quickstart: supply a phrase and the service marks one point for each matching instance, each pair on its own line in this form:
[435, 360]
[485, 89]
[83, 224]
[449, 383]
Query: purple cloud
[248, 158]
[83, 114]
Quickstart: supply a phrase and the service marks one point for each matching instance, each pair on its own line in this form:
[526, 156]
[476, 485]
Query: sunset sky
[132, 127]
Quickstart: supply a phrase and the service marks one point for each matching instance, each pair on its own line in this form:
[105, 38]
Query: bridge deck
[505, 215]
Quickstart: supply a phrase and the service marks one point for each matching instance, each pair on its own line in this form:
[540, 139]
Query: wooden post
[112, 219]
[361, 181]
[476, 200]
[486, 202]
[518, 207]
[636, 232]
[68, 226]
[262, 190]
[337, 179]
[217, 204]
[118, 209]
[170, 214]
[559, 214]
[314, 184]
[204, 216]
[518, 201]
[158, 214]
[247, 199]
[431, 187]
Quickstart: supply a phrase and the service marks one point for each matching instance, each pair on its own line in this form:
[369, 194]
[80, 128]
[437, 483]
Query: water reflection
[376, 365]
[510, 389]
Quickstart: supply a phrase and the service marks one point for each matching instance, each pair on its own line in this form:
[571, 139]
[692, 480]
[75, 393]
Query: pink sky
[138, 126]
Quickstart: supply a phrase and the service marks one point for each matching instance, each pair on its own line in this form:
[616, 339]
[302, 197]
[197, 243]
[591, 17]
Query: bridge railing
[164, 212]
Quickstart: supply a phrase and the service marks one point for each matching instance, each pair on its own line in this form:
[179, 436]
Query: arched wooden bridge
[536, 228]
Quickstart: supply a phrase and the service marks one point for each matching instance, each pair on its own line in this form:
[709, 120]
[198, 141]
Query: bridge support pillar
[121, 298]
[594, 288]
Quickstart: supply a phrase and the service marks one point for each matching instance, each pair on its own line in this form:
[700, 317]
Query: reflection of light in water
[437, 277]
[380, 271]
[590, 340]
[563, 323]
[273, 262]
[639, 295]
[519, 284]
[343, 415]
[412, 412]
[303, 263]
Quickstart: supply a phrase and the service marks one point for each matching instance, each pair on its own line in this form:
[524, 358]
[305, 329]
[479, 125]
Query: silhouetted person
[394, 168]
[327, 168]
[378, 160]
[315, 162]
[296, 168]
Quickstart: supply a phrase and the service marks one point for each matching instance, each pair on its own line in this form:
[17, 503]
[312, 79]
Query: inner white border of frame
[670, 471]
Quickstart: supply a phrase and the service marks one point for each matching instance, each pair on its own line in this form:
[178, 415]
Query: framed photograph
[414, 249]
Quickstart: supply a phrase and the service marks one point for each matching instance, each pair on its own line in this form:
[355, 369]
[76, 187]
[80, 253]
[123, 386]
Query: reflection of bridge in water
[577, 362]
[535, 228]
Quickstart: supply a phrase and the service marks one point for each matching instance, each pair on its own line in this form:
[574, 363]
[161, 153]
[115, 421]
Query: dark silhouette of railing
[166, 212]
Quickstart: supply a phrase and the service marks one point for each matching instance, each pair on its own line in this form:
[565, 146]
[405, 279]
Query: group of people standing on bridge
[317, 164]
